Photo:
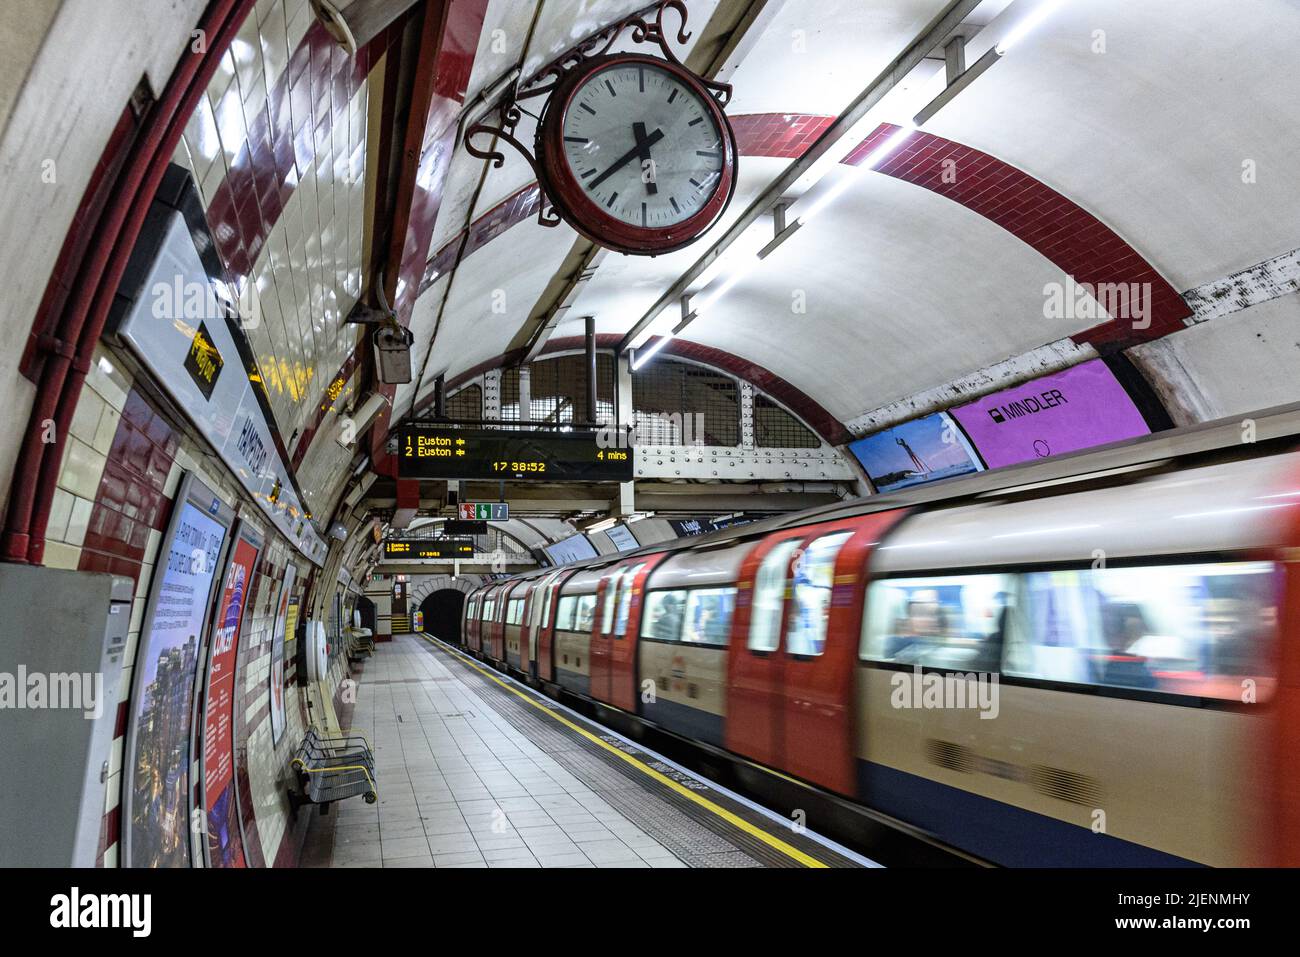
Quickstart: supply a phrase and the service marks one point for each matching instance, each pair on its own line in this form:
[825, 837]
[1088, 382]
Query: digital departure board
[426, 548]
[431, 451]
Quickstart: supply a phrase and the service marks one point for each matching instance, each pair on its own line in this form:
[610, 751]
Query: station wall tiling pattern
[122, 467]
[278, 147]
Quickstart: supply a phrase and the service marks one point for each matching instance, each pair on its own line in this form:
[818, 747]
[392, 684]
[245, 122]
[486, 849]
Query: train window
[564, 613]
[547, 601]
[813, 578]
[956, 622]
[584, 613]
[611, 594]
[708, 615]
[1204, 630]
[769, 592]
[625, 599]
[515, 611]
[487, 609]
[662, 617]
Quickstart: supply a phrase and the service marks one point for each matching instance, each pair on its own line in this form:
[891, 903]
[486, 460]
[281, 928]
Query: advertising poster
[622, 538]
[1079, 408]
[689, 527]
[923, 450]
[194, 357]
[225, 847]
[167, 664]
[277, 653]
[572, 549]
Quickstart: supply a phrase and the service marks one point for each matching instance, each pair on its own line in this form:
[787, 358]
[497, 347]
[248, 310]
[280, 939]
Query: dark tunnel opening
[442, 613]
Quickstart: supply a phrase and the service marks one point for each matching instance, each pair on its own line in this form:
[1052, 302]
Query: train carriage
[575, 616]
[684, 627]
[1087, 661]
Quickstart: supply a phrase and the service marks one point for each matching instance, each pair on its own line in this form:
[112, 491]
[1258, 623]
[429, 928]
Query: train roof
[1268, 432]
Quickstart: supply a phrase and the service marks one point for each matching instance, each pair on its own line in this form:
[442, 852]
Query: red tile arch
[1062, 231]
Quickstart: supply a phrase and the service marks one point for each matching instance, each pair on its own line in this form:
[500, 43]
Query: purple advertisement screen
[1075, 409]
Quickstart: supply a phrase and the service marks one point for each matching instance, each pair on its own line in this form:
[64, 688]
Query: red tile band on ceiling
[1076, 241]
[1065, 233]
[781, 135]
[309, 98]
[796, 400]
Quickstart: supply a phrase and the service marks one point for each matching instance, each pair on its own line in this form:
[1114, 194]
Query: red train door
[546, 630]
[600, 642]
[823, 624]
[535, 608]
[494, 645]
[754, 702]
[614, 636]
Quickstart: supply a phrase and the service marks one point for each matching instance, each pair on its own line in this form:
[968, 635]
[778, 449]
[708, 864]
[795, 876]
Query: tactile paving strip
[698, 836]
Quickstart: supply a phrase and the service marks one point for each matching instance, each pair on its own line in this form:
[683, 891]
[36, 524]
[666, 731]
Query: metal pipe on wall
[70, 347]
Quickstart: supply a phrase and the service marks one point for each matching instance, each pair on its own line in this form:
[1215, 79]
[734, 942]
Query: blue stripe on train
[995, 831]
[694, 723]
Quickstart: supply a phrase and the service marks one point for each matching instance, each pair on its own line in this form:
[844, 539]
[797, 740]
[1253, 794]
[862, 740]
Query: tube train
[1089, 661]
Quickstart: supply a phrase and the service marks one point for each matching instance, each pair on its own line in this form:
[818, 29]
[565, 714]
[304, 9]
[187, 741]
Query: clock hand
[623, 160]
[643, 147]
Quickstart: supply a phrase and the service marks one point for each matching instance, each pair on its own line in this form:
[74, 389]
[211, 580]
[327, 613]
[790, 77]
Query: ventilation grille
[946, 754]
[1066, 785]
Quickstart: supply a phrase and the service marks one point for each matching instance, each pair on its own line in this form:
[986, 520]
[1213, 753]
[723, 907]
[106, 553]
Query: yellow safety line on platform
[774, 842]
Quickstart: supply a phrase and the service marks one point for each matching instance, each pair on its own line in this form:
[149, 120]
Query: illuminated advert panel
[176, 326]
[922, 450]
[1079, 408]
[429, 451]
[158, 758]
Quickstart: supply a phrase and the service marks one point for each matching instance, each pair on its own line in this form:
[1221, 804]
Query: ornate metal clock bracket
[645, 26]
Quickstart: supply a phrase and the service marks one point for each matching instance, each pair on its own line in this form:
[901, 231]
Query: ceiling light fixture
[820, 200]
[1040, 13]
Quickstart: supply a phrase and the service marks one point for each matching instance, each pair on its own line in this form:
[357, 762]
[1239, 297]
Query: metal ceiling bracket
[780, 229]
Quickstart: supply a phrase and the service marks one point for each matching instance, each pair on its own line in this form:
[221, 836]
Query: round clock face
[646, 160]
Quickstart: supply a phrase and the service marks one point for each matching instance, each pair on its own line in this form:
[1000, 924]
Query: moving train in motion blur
[1088, 661]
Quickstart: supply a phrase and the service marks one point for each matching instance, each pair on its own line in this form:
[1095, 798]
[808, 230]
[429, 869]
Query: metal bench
[361, 644]
[331, 769]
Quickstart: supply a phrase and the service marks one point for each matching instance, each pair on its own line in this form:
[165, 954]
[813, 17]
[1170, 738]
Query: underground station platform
[837, 441]
[479, 770]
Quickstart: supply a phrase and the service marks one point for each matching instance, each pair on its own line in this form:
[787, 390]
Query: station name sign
[431, 451]
[428, 548]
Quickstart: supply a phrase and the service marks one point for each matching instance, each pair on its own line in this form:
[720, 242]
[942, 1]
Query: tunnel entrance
[442, 610]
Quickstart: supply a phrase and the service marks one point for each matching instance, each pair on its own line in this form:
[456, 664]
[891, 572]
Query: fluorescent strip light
[842, 184]
[645, 355]
[1029, 23]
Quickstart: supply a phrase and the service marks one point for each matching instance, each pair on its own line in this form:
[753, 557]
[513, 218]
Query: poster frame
[279, 640]
[242, 531]
[191, 491]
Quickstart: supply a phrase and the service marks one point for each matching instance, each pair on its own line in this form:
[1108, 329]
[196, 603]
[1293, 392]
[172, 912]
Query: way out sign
[484, 511]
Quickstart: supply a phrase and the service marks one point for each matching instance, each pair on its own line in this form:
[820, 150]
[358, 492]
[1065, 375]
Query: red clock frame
[588, 217]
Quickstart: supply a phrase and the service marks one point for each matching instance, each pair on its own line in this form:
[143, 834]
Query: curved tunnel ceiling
[904, 283]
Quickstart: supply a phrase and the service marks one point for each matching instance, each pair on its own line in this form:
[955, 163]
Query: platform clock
[636, 153]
